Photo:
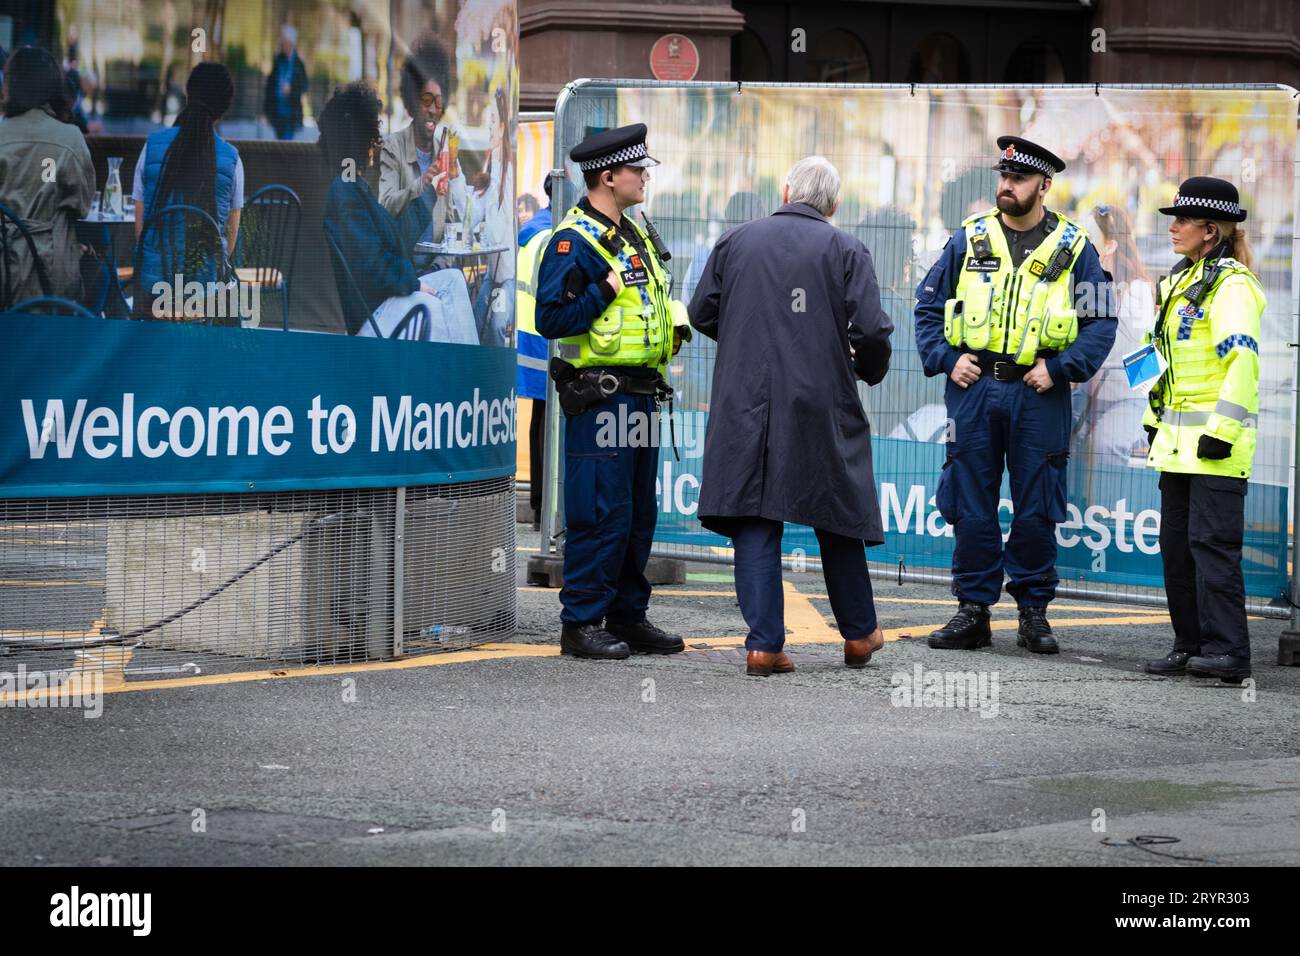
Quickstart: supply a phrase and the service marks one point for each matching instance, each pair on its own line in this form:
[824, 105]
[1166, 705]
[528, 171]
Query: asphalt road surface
[512, 754]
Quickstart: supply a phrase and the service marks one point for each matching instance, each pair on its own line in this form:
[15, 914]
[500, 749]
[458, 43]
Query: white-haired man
[285, 86]
[795, 308]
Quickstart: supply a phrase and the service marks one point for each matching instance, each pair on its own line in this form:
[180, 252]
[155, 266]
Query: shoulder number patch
[1036, 267]
[562, 247]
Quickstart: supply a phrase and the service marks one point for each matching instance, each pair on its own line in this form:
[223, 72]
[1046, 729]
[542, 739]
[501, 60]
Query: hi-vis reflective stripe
[525, 287]
[1200, 418]
[527, 361]
[1231, 410]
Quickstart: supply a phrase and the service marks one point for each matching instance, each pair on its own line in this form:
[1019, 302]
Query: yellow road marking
[51, 584]
[666, 592]
[805, 622]
[109, 661]
[480, 653]
[712, 643]
[806, 631]
[48, 524]
[69, 542]
[1140, 613]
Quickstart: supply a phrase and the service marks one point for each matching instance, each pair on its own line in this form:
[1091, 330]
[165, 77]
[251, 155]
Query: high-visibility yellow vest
[529, 264]
[637, 327]
[1016, 311]
[1212, 384]
[530, 348]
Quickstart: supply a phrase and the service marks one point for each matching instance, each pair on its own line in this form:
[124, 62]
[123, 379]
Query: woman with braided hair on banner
[189, 163]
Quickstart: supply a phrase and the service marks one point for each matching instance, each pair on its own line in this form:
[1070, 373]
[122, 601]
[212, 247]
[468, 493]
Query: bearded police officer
[1202, 426]
[602, 291]
[1014, 312]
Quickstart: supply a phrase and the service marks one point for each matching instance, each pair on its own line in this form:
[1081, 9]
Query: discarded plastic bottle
[442, 632]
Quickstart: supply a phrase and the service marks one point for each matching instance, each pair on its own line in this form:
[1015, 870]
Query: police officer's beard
[1008, 205]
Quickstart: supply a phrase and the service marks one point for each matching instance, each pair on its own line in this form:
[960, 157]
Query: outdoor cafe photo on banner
[224, 176]
[330, 173]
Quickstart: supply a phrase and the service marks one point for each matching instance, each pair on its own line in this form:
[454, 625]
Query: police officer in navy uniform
[603, 292]
[1016, 310]
[1202, 419]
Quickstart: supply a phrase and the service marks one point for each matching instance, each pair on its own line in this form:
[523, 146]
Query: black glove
[1151, 434]
[1213, 449]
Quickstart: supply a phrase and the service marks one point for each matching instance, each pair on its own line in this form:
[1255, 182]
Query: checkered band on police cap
[1222, 205]
[627, 154]
[1013, 155]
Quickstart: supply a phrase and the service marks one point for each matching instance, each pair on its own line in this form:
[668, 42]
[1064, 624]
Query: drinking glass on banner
[112, 205]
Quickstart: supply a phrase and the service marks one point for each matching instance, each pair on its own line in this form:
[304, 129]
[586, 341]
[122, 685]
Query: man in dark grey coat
[794, 306]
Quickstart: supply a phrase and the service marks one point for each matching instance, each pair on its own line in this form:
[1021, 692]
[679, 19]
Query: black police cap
[1019, 155]
[624, 146]
[1205, 197]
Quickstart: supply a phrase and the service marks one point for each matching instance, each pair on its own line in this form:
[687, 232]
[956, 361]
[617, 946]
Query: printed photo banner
[1101, 541]
[916, 161]
[95, 407]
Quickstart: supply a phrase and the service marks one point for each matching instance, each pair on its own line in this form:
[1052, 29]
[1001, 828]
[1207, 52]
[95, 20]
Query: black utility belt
[580, 388]
[630, 379]
[1003, 367]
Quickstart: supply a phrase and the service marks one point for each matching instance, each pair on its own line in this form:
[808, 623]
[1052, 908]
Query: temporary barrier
[196, 488]
[249, 493]
[914, 162]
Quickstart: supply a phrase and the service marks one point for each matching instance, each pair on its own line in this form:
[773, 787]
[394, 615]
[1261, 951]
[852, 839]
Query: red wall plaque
[674, 57]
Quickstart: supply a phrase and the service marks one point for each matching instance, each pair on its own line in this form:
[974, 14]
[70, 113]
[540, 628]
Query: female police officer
[1201, 423]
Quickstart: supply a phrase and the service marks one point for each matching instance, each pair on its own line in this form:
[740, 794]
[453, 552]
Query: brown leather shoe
[857, 653]
[767, 663]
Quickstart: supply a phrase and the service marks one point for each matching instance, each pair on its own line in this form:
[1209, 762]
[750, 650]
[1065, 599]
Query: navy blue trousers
[758, 582]
[610, 510]
[1202, 524]
[995, 426]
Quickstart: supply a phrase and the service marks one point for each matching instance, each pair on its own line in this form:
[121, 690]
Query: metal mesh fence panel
[914, 162]
[177, 584]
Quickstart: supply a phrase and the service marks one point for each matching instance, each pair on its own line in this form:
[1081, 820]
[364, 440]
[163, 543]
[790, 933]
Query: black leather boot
[593, 641]
[968, 629]
[644, 638]
[1175, 662]
[1229, 669]
[1035, 633]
